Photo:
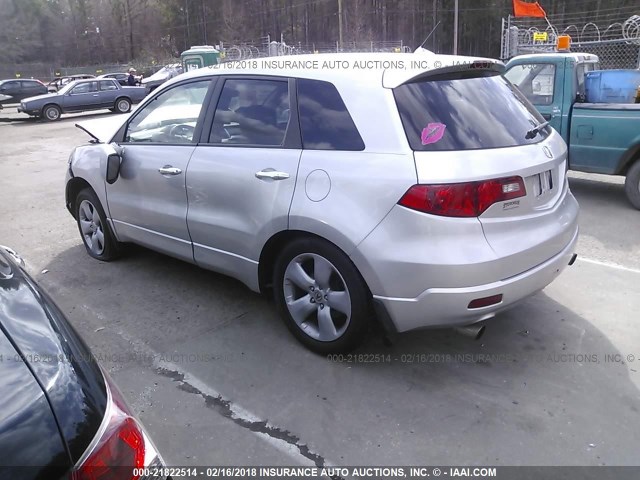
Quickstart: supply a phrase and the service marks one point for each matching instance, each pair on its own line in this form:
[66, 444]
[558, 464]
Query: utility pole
[186, 7]
[204, 22]
[340, 22]
[455, 29]
[435, 17]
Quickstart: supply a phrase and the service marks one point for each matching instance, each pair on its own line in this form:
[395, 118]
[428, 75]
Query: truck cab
[552, 83]
[602, 137]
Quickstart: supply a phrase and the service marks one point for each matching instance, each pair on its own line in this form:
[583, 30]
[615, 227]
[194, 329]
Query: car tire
[122, 105]
[51, 113]
[323, 299]
[95, 232]
[632, 184]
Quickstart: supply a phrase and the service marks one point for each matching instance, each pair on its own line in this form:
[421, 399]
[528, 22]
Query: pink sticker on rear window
[432, 133]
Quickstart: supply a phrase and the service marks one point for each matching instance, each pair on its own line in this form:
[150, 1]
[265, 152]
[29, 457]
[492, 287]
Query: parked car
[13, 91]
[165, 73]
[602, 137]
[57, 83]
[121, 78]
[81, 96]
[61, 417]
[436, 196]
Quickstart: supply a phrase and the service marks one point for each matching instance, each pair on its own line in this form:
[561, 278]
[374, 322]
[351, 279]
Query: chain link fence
[46, 72]
[616, 44]
[265, 47]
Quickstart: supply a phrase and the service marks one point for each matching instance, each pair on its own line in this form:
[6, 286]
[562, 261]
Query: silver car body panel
[424, 269]
[232, 213]
[148, 207]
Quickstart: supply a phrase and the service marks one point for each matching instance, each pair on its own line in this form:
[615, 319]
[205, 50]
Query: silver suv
[432, 197]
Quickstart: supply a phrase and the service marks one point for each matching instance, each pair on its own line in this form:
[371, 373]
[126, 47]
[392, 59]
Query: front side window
[251, 112]
[466, 111]
[171, 117]
[86, 87]
[535, 81]
[107, 85]
[324, 119]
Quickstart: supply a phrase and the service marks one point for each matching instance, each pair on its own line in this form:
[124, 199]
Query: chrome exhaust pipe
[474, 331]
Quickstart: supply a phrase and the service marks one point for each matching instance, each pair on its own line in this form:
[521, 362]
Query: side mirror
[581, 97]
[113, 168]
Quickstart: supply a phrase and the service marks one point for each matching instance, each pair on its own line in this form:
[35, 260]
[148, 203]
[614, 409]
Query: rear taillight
[120, 448]
[469, 199]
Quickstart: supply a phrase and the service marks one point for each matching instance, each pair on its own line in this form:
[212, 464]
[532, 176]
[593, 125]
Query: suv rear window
[324, 119]
[466, 111]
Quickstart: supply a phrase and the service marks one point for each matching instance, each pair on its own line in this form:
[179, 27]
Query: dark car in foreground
[13, 91]
[61, 417]
[81, 96]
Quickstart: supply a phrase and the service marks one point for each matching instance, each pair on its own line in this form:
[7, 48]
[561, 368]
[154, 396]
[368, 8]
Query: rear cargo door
[470, 127]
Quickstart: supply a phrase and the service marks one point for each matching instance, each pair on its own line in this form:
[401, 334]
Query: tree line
[87, 32]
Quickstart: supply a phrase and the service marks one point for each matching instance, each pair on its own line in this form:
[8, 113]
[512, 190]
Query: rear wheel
[94, 230]
[322, 297]
[123, 105]
[632, 184]
[51, 113]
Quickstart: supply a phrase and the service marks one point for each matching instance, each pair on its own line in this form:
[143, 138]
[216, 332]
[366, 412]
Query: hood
[158, 76]
[40, 97]
[103, 129]
[4, 97]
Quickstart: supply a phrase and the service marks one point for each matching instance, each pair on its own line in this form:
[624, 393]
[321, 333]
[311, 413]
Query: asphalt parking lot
[218, 380]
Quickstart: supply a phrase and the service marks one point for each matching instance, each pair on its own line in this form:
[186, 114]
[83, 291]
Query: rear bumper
[447, 307]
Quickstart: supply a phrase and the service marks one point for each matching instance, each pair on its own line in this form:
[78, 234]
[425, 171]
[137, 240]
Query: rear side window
[324, 119]
[463, 112]
[107, 85]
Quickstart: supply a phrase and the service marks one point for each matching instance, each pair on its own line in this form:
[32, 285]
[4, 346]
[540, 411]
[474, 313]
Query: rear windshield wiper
[534, 131]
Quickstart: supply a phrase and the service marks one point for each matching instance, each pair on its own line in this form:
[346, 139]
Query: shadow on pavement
[543, 387]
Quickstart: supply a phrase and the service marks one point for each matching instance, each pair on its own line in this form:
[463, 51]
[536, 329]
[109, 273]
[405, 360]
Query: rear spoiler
[441, 64]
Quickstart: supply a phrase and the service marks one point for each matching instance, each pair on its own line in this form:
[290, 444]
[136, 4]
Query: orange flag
[526, 9]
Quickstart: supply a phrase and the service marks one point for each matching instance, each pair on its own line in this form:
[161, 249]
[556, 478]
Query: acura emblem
[547, 152]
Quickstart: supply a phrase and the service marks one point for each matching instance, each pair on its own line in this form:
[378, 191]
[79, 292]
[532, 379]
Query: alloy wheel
[317, 297]
[91, 227]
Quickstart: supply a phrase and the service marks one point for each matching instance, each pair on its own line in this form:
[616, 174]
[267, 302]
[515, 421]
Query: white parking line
[607, 264]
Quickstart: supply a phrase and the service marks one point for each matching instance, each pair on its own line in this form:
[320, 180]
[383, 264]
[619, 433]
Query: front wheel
[94, 229]
[322, 297]
[51, 113]
[632, 184]
[123, 105]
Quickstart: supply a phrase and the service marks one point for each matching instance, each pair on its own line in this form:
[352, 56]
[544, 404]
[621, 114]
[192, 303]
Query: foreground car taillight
[469, 199]
[121, 448]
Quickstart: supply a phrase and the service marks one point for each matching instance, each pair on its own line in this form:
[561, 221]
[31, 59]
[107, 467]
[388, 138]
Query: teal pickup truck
[602, 137]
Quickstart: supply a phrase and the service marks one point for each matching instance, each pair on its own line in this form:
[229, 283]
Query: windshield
[463, 112]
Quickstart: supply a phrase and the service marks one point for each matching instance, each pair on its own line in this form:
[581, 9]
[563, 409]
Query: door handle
[169, 170]
[272, 175]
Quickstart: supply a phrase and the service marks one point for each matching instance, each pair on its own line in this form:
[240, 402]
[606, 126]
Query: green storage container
[199, 56]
